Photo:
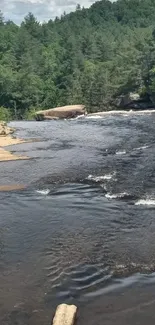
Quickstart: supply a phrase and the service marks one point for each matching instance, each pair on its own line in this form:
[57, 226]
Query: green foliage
[29, 114]
[5, 114]
[87, 57]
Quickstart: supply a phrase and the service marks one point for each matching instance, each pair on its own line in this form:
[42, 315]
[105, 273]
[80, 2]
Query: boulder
[133, 101]
[4, 129]
[63, 112]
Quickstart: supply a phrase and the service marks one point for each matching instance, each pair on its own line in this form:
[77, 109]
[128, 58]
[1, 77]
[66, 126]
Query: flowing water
[83, 229]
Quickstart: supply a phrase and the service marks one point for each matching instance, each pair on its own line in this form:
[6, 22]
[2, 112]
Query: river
[83, 229]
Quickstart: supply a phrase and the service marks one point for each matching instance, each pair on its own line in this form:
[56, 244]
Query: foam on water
[123, 113]
[76, 118]
[146, 202]
[100, 178]
[142, 148]
[120, 152]
[43, 192]
[95, 117]
[116, 196]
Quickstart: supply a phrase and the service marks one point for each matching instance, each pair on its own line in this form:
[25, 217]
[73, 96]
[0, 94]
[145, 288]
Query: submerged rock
[63, 112]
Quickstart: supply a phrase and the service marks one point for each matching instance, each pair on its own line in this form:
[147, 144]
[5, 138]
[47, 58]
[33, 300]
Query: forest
[90, 56]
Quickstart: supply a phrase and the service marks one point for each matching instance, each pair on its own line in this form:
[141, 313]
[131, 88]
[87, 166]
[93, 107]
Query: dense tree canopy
[86, 57]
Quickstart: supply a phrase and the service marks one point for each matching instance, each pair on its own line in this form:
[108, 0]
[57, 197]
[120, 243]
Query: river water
[83, 229]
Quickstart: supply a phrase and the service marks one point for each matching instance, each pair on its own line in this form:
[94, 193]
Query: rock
[133, 101]
[65, 315]
[129, 99]
[63, 112]
[11, 187]
[4, 129]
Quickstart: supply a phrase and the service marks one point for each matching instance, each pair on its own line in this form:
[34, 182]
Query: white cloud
[44, 10]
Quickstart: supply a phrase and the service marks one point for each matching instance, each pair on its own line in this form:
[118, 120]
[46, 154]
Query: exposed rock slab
[8, 156]
[62, 112]
[11, 187]
[65, 315]
[9, 141]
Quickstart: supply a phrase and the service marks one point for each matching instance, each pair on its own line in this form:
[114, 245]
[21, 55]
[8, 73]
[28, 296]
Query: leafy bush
[5, 114]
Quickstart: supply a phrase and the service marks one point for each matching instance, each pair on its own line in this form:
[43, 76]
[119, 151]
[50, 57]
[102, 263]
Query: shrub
[5, 114]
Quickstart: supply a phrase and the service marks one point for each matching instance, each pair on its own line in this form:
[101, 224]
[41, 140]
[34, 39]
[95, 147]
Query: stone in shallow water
[65, 315]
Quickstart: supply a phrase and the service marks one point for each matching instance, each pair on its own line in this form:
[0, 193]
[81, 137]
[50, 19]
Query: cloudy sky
[42, 9]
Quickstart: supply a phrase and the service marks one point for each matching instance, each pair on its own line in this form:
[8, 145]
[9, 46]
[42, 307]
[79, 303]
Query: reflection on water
[83, 229]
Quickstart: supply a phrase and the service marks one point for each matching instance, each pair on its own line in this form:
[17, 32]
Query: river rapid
[83, 229]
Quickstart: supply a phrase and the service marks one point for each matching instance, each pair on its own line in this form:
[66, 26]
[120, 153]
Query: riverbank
[7, 140]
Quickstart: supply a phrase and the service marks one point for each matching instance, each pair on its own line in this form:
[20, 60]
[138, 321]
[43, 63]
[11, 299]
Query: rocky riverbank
[7, 140]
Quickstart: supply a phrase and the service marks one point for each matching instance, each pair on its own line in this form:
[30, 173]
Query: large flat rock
[62, 112]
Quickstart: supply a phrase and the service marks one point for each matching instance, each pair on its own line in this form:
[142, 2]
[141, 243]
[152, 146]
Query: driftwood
[65, 315]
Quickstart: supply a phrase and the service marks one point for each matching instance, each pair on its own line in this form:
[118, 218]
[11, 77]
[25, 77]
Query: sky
[44, 10]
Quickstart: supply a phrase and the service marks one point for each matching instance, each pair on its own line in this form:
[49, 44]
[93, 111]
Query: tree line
[89, 57]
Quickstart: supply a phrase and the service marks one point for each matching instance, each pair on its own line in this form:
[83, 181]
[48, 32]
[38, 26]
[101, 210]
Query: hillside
[87, 57]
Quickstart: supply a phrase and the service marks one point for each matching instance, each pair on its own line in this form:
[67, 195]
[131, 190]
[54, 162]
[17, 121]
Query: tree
[1, 19]
[89, 56]
[31, 24]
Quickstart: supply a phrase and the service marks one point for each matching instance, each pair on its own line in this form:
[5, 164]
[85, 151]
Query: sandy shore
[9, 141]
[7, 155]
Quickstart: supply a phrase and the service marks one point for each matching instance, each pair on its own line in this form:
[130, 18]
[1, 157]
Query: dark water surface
[83, 229]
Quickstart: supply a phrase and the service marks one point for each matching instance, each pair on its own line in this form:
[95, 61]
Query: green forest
[88, 57]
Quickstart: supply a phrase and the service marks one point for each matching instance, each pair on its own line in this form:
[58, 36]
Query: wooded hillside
[89, 57]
